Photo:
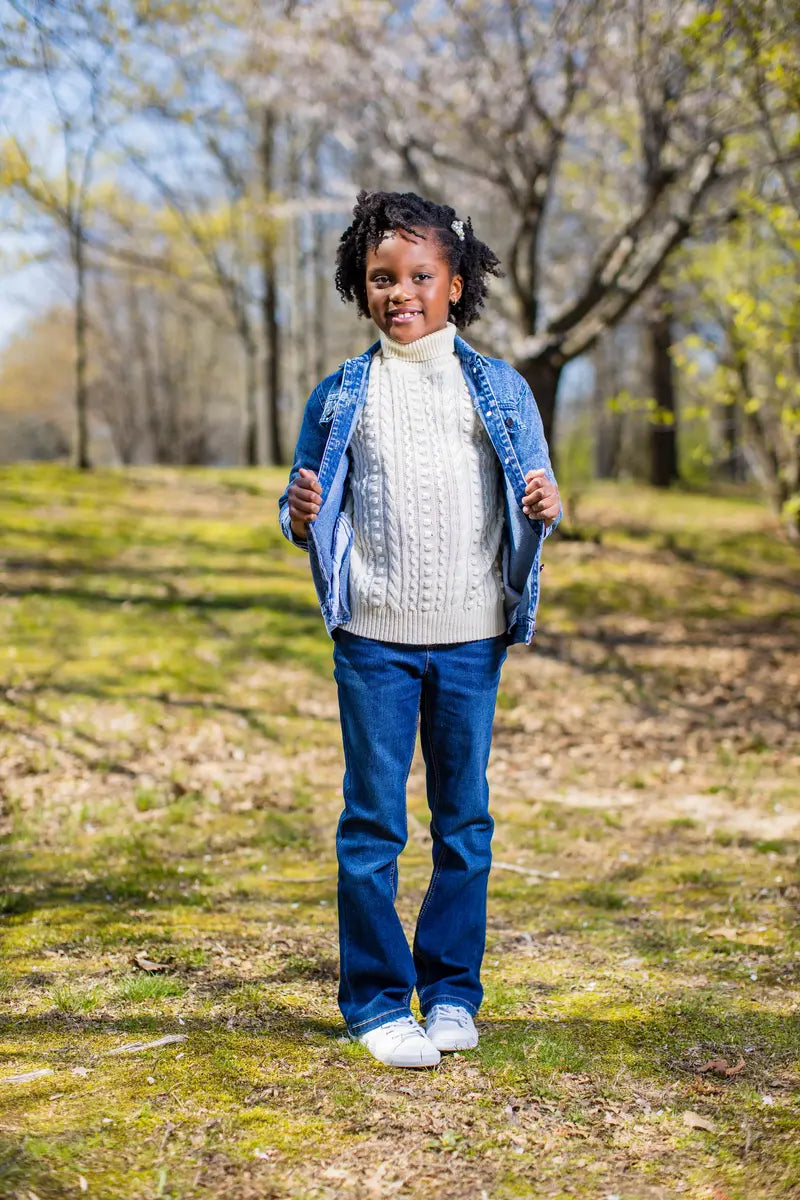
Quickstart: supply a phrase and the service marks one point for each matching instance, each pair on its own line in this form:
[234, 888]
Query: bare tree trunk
[269, 301]
[81, 451]
[607, 424]
[664, 430]
[730, 463]
[320, 269]
[295, 327]
[249, 423]
[149, 370]
[542, 376]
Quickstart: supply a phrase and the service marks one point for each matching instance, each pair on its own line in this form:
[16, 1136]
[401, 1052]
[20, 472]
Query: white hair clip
[458, 229]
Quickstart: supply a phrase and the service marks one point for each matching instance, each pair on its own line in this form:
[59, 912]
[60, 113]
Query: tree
[35, 388]
[741, 355]
[166, 371]
[551, 116]
[70, 49]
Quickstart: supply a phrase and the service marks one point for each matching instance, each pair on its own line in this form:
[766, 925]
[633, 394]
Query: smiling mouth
[404, 315]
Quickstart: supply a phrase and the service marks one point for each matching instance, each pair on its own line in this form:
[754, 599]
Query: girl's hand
[541, 500]
[305, 497]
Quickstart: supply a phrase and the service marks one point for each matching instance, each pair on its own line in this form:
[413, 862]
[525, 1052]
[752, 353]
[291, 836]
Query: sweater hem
[427, 629]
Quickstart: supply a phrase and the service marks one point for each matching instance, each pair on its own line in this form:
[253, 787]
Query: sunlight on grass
[72, 998]
[170, 783]
[136, 988]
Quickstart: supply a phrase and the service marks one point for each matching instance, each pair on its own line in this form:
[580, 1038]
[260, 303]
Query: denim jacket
[508, 411]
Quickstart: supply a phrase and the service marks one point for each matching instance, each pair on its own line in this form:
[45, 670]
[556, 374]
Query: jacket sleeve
[530, 411]
[307, 454]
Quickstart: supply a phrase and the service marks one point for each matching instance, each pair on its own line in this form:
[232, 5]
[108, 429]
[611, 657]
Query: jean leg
[458, 703]
[379, 695]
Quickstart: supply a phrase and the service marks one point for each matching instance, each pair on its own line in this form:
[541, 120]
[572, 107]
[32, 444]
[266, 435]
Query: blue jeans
[384, 689]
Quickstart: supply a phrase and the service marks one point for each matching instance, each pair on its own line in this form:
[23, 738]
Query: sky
[28, 112]
[25, 295]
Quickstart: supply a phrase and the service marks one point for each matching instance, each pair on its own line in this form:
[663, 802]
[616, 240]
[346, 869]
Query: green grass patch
[602, 897]
[136, 989]
[171, 782]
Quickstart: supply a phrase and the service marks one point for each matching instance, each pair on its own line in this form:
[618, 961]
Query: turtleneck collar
[433, 345]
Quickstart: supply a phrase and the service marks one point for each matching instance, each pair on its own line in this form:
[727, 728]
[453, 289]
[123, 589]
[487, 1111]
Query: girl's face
[409, 285]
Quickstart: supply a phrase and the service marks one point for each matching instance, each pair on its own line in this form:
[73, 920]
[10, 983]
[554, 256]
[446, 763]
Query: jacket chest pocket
[512, 419]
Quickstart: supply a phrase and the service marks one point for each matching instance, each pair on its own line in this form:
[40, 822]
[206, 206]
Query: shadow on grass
[671, 1041]
[205, 705]
[278, 601]
[622, 595]
[658, 690]
[140, 574]
[100, 544]
[726, 549]
[149, 884]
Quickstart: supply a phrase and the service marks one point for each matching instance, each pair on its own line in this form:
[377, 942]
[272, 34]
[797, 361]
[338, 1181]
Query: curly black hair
[378, 213]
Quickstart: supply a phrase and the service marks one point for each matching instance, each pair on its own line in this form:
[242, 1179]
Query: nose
[399, 292]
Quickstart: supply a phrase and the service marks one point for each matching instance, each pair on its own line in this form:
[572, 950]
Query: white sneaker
[400, 1043]
[451, 1027]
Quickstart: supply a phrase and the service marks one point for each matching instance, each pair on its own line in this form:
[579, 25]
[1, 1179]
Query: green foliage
[740, 362]
[745, 359]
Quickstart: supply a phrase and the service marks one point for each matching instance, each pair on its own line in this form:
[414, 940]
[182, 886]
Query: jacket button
[510, 422]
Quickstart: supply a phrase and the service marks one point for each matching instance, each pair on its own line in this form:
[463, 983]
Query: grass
[169, 785]
[136, 988]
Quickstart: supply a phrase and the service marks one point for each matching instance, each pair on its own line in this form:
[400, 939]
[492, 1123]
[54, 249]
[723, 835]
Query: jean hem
[370, 1023]
[448, 998]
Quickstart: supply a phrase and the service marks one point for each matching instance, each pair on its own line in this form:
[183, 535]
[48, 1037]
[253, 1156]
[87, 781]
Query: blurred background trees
[175, 176]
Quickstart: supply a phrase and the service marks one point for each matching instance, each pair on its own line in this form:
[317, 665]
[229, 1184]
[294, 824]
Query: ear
[456, 288]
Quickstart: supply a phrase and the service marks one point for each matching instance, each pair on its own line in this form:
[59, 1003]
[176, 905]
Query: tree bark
[730, 463]
[319, 270]
[249, 424]
[542, 376]
[664, 430]
[607, 424]
[81, 451]
[269, 301]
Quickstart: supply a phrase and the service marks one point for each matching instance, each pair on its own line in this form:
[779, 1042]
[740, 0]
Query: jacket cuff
[287, 531]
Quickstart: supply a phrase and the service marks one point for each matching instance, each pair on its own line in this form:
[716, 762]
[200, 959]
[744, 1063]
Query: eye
[379, 279]
[422, 275]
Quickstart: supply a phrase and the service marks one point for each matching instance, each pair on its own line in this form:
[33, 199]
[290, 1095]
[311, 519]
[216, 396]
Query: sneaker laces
[409, 1028]
[453, 1012]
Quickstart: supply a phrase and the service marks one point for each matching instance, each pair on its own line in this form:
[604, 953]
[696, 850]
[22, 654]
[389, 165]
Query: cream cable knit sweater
[425, 501]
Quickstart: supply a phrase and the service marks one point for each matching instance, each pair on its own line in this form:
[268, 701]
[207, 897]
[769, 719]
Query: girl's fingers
[303, 507]
[544, 506]
[303, 495]
[310, 480]
[539, 497]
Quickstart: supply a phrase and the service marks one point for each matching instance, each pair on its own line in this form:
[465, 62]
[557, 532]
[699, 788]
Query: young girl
[422, 490]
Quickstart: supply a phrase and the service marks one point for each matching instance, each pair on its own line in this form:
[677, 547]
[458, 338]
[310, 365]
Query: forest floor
[170, 782]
